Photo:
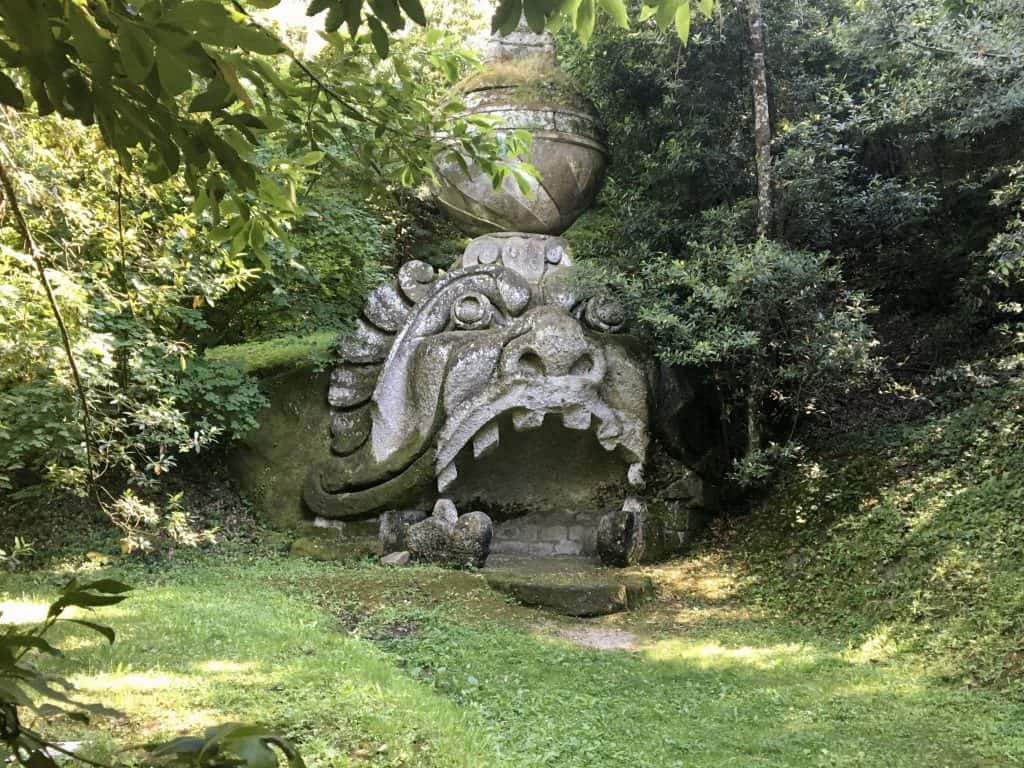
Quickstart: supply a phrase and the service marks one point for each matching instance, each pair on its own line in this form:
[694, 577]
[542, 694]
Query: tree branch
[29, 246]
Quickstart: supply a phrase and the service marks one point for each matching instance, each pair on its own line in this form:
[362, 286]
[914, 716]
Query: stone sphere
[567, 151]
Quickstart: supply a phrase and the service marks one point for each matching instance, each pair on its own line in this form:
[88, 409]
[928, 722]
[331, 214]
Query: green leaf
[387, 11]
[84, 600]
[570, 9]
[585, 18]
[353, 12]
[10, 94]
[666, 13]
[108, 586]
[136, 52]
[38, 758]
[253, 751]
[506, 16]
[107, 632]
[174, 73]
[90, 41]
[310, 158]
[335, 18]
[683, 21]
[218, 25]
[535, 16]
[183, 745]
[706, 7]
[11, 693]
[414, 10]
[318, 6]
[646, 11]
[617, 10]
[29, 641]
[378, 36]
[216, 96]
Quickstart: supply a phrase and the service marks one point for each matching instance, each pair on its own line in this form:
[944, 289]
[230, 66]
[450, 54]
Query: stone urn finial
[522, 87]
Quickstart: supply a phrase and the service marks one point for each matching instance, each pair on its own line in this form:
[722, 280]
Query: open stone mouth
[529, 401]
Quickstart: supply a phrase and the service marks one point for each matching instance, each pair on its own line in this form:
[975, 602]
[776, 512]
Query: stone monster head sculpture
[437, 360]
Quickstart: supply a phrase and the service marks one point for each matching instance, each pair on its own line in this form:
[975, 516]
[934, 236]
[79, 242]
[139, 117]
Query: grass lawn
[366, 666]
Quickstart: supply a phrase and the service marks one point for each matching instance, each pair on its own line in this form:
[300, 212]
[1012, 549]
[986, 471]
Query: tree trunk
[762, 120]
[753, 420]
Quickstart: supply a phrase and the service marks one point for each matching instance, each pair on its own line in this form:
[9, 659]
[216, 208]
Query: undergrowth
[909, 536]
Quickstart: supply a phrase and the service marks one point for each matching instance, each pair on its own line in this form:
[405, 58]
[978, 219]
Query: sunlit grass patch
[25, 611]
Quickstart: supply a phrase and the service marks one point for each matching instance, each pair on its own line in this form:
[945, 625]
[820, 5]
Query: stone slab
[567, 585]
[334, 549]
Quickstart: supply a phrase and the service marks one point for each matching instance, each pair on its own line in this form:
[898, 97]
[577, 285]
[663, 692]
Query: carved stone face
[436, 363]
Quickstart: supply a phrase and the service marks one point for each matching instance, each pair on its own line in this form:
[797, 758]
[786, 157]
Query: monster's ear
[362, 353]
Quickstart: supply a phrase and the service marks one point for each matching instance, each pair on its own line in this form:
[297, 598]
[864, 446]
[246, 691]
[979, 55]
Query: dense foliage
[133, 273]
[267, 218]
[896, 162]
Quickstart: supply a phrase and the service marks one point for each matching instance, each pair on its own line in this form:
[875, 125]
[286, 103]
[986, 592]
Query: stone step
[328, 546]
[572, 586]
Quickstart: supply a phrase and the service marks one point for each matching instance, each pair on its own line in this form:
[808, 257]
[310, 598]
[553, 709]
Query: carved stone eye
[472, 311]
[605, 315]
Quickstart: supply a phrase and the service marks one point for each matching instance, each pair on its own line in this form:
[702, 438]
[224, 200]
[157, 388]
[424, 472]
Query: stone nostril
[530, 364]
[583, 365]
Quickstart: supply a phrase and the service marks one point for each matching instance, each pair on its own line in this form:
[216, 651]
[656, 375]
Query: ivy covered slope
[908, 537]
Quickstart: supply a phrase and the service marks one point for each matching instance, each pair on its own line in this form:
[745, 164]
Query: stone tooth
[446, 477]
[486, 440]
[524, 419]
[576, 418]
[608, 434]
[609, 429]
[633, 504]
[635, 475]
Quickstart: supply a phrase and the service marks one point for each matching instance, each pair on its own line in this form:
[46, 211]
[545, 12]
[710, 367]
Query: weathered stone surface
[349, 430]
[567, 147]
[620, 536]
[366, 344]
[396, 559]
[471, 540]
[506, 342]
[415, 280]
[596, 597]
[446, 513]
[394, 525]
[440, 392]
[386, 308]
[270, 463]
[689, 488]
[333, 548]
[428, 541]
[352, 385]
[571, 165]
[521, 43]
[464, 542]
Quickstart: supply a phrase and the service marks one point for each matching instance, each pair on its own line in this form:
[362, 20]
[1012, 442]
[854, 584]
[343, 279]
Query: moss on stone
[594, 596]
[532, 80]
[335, 549]
[275, 354]
[271, 463]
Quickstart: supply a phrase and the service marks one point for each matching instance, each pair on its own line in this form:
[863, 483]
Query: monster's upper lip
[529, 399]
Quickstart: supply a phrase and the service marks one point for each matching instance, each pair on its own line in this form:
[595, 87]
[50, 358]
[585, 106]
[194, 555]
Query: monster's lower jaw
[576, 399]
[356, 485]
